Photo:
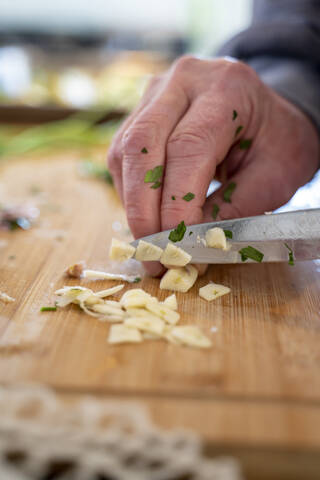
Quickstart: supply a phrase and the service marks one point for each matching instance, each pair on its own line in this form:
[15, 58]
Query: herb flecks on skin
[227, 194]
[238, 130]
[291, 256]
[252, 253]
[215, 211]
[234, 114]
[228, 234]
[188, 197]
[48, 309]
[245, 143]
[173, 197]
[137, 280]
[154, 176]
[144, 150]
[178, 233]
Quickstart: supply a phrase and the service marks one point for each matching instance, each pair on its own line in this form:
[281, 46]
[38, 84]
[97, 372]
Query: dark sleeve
[283, 46]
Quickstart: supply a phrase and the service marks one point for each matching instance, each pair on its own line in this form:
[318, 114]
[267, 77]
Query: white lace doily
[44, 438]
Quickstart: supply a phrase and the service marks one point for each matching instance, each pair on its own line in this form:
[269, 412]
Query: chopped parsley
[250, 252]
[48, 309]
[144, 150]
[238, 130]
[190, 233]
[215, 211]
[189, 196]
[173, 197]
[153, 176]
[234, 114]
[137, 280]
[245, 143]
[228, 233]
[227, 194]
[178, 233]
[156, 185]
[291, 257]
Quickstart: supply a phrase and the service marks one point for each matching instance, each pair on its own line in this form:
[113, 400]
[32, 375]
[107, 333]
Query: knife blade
[299, 230]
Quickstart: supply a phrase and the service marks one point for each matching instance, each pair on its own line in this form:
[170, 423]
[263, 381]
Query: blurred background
[71, 54]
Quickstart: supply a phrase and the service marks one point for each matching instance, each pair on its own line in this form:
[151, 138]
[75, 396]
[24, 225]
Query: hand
[189, 121]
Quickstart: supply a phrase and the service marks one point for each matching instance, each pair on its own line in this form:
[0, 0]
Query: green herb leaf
[245, 143]
[189, 196]
[156, 185]
[227, 194]
[190, 233]
[215, 211]
[238, 130]
[88, 168]
[228, 233]
[144, 150]
[291, 257]
[250, 252]
[173, 197]
[137, 280]
[153, 175]
[234, 114]
[178, 233]
[48, 309]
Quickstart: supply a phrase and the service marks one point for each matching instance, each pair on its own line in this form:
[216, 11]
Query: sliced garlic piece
[171, 302]
[212, 291]
[120, 250]
[124, 334]
[179, 279]
[162, 311]
[190, 335]
[135, 298]
[107, 310]
[151, 324]
[174, 256]
[147, 252]
[215, 238]
[99, 275]
[109, 291]
[151, 336]
[167, 335]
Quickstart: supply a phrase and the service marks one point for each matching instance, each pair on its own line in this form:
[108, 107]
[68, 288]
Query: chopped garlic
[179, 279]
[120, 250]
[147, 252]
[171, 302]
[124, 334]
[174, 256]
[5, 298]
[212, 291]
[151, 324]
[215, 238]
[162, 311]
[135, 298]
[190, 335]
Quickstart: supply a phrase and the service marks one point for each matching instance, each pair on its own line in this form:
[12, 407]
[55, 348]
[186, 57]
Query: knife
[299, 230]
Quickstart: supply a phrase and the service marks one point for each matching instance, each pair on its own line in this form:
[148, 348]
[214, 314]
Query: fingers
[261, 186]
[199, 142]
[115, 152]
[148, 133]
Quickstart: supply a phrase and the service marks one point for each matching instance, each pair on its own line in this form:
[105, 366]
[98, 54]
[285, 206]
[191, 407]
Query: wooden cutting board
[257, 388]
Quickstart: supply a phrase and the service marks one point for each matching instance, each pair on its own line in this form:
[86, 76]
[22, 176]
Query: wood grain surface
[259, 385]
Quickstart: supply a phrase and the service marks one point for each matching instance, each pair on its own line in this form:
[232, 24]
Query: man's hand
[204, 119]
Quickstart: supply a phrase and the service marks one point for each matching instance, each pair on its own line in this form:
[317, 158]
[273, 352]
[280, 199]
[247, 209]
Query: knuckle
[187, 144]
[141, 134]
[231, 210]
[184, 63]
